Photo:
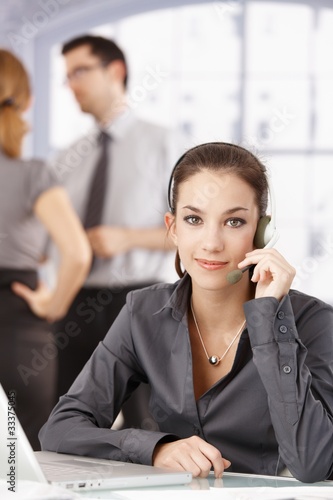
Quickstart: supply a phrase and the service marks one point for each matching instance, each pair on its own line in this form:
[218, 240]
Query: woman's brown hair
[219, 157]
[14, 99]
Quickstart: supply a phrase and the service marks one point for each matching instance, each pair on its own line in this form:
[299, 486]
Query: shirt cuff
[139, 444]
[269, 320]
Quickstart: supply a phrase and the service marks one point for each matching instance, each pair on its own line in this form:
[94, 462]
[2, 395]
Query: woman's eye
[235, 222]
[192, 219]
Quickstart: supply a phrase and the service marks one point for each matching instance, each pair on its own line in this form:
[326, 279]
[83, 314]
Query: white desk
[231, 487]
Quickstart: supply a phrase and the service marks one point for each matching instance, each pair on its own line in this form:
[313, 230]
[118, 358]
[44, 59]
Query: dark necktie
[96, 195]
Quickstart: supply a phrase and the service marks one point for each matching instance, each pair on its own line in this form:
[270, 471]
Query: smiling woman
[208, 189]
[238, 372]
[212, 225]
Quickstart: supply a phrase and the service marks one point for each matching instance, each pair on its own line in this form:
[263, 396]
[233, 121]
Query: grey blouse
[22, 235]
[273, 410]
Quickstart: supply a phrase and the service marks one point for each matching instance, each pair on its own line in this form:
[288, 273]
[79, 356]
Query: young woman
[32, 204]
[241, 370]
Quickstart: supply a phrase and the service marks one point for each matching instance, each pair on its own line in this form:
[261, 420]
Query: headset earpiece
[264, 232]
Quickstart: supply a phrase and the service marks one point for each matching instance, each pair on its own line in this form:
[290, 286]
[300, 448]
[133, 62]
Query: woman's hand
[272, 273]
[38, 300]
[192, 454]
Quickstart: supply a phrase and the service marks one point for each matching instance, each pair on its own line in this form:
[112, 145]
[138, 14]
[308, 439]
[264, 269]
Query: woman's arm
[54, 210]
[292, 343]
[81, 422]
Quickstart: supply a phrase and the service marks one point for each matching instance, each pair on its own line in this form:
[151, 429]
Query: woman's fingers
[22, 291]
[38, 300]
[272, 273]
[192, 454]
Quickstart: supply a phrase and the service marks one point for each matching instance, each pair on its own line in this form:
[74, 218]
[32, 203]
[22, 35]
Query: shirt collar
[119, 126]
[179, 299]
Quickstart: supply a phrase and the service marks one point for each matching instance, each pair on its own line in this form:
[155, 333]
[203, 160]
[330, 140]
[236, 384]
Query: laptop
[18, 461]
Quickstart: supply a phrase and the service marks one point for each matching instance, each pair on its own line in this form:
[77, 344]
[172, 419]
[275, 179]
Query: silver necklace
[215, 360]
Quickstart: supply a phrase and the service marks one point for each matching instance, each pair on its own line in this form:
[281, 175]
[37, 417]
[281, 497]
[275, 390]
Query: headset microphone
[236, 275]
[266, 236]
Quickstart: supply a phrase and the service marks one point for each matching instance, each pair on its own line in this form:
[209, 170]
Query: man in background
[118, 189]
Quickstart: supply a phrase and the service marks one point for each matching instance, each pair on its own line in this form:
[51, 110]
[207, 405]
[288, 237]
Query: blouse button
[287, 369]
[280, 315]
[283, 329]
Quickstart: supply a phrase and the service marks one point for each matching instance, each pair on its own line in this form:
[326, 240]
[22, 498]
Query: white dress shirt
[142, 156]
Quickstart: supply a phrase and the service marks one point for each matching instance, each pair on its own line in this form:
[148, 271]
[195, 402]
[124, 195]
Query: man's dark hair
[107, 50]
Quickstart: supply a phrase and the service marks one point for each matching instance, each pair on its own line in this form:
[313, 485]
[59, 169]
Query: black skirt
[28, 355]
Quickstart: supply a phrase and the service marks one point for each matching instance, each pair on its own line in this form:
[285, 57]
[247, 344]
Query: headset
[266, 234]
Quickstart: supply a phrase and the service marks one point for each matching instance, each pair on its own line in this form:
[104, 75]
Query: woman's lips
[211, 265]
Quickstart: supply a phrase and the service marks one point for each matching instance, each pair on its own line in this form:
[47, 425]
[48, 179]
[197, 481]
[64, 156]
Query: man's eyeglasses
[81, 71]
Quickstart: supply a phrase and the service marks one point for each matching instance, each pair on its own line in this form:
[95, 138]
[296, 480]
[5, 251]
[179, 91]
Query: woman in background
[32, 206]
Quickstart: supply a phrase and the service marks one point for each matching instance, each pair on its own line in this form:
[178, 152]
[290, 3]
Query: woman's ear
[170, 222]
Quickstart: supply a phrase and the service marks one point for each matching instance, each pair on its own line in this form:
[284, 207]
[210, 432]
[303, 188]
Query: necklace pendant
[214, 360]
